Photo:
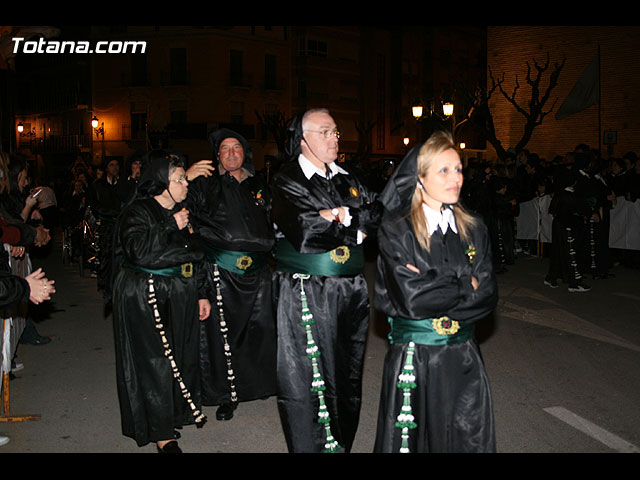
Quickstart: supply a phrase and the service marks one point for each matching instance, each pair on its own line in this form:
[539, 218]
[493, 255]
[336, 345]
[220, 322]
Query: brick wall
[508, 50]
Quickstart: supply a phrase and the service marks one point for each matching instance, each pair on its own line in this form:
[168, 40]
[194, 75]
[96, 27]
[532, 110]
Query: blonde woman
[434, 281]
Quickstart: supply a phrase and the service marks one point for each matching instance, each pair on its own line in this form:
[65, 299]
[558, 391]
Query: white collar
[309, 169]
[444, 219]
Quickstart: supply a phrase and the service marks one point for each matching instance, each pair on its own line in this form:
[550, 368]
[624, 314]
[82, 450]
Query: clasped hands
[40, 287]
[474, 280]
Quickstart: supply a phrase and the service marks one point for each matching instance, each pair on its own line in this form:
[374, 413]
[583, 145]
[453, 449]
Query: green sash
[339, 261]
[237, 262]
[429, 331]
[185, 270]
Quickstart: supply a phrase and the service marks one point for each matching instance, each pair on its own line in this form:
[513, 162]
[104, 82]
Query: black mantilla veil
[218, 136]
[398, 193]
[156, 168]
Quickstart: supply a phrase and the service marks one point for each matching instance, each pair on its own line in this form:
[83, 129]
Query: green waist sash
[235, 261]
[339, 261]
[185, 270]
[429, 331]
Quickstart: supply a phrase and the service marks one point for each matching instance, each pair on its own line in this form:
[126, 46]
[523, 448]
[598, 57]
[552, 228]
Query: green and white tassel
[317, 384]
[406, 382]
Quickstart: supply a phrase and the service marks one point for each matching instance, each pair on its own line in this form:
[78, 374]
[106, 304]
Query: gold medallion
[445, 326]
[186, 269]
[340, 254]
[244, 262]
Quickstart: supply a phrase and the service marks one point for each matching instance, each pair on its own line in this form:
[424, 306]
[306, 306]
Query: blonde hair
[436, 144]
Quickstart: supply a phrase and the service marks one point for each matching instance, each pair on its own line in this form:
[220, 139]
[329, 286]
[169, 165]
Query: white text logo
[68, 46]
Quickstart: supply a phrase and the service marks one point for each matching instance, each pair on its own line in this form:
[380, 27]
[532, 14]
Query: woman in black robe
[159, 295]
[434, 281]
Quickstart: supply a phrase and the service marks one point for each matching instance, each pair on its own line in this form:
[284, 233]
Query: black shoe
[171, 447]
[225, 411]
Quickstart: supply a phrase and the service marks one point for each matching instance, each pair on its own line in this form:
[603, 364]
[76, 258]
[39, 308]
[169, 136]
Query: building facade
[190, 80]
[613, 125]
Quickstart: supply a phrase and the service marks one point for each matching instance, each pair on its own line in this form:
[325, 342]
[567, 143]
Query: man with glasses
[322, 213]
[230, 211]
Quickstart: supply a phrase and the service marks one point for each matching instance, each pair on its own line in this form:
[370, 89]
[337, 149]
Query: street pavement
[563, 369]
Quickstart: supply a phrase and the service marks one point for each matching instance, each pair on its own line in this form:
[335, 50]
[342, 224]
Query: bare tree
[364, 141]
[277, 126]
[532, 108]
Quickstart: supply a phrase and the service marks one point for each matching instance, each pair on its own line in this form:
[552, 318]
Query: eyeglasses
[179, 180]
[327, 133]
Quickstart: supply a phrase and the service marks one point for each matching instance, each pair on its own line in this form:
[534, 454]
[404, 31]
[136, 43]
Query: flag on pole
[585, 92]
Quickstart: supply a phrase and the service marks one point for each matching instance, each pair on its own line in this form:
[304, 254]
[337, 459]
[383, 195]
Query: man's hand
[327, 215]
[203, 167]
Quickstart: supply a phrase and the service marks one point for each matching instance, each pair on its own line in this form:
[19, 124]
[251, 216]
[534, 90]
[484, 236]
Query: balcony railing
[56, 143]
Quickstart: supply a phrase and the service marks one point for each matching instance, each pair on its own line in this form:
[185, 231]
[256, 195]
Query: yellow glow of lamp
[405, 140]
[416, 110]
[20, 127]
[447, 109]
[94, 122]
[462, 146]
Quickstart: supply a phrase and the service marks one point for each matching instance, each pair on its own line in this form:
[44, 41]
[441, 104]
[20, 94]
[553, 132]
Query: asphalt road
[563, 369]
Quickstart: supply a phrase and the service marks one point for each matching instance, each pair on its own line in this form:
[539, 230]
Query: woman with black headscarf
[159, 295]
[434, 281]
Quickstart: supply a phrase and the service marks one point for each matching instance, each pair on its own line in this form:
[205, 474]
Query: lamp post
[99, 132]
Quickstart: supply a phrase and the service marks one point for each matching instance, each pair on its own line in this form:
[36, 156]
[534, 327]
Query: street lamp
[416, 110]
[99, 131]
[447, 109]
[20, 127]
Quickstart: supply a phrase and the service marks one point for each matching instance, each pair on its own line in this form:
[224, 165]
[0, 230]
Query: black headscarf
[397, 194]
[156, 169]
[217, 137]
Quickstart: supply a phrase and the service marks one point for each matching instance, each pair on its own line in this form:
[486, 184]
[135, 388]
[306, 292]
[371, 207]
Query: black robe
[232, 215]
[151, 401]
[339, 305]
[107, 205]
[451, 399]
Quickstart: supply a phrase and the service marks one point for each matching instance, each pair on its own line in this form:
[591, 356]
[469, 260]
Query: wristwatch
[336, 213]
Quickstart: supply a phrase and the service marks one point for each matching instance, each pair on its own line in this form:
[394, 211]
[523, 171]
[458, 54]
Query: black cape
[451, 402]
[339, 304]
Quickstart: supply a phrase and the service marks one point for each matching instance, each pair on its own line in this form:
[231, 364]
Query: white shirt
[309, 169]
[443, 219]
